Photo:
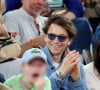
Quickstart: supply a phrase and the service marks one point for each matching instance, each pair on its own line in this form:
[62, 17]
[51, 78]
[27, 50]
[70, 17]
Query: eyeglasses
[60, 38]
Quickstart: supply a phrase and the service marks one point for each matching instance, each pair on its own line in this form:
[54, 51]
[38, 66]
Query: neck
[27, 11]
[26, 84]
[34, 16]
[57, 58]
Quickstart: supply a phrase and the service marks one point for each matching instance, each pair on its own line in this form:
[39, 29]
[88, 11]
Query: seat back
[12, 5]
[84, 35]
[96, 37]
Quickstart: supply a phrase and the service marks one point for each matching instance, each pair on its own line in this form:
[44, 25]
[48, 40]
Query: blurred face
[58, 45]
[34, 69]
[34, 6]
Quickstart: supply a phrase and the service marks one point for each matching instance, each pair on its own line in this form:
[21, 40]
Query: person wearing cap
[33, 66]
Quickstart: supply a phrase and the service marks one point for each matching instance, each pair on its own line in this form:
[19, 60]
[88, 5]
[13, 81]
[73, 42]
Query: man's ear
[70, 41]
[46, 38]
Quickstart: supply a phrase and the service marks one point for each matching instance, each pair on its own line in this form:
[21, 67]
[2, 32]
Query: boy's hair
[63, 22]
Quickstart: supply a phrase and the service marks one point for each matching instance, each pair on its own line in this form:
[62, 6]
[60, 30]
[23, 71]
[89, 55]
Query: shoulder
[88, 67]
[45, 50]
[46, 78]
[13, 80]
[13, 13]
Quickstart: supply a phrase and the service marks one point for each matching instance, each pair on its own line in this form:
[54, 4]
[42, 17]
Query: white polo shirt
[20, 21]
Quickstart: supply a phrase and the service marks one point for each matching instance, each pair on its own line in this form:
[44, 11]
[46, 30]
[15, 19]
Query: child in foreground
[34, 65]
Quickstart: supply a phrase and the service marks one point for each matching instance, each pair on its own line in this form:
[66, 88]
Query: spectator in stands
[34, 65]
[92, 71]
[1, 78]
[26, 20]
[64, 69]
[28, 23]
[73, 10]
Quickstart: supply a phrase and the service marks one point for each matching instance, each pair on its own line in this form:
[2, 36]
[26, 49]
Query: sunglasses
[60, 38]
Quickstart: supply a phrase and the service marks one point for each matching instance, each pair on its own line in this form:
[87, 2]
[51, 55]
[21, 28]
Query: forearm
[25, 47]
[36, 42]
[80, 84]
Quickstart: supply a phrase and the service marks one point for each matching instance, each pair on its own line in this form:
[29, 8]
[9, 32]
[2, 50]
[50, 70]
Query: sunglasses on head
[61, 38]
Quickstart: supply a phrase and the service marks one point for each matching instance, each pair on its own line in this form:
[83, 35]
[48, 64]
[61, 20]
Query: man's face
[34, 6]
[55, 46]
[34, 69]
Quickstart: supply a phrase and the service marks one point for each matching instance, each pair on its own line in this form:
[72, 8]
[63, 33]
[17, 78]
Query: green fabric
[14, 83]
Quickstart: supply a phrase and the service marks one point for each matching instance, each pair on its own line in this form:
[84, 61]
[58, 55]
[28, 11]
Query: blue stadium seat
[96, 37]
[1, 78]
[84, 35]
[12, 5]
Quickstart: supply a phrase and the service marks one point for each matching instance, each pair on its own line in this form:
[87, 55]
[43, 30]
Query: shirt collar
[29, 16]
[49, 57]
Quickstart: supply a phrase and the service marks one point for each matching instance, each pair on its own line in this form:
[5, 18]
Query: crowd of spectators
[50, 34]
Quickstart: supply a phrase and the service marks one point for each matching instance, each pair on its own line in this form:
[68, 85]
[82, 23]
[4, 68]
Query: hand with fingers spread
[69, 62]
[40, 83]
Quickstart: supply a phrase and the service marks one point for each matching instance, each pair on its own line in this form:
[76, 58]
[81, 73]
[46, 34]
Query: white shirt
[20, 21]
[56, 65]
[92, 77]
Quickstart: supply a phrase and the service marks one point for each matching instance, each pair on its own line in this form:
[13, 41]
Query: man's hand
[69, 62]
[3, 31]
[75, 73]
[39, 41]
[40, 83]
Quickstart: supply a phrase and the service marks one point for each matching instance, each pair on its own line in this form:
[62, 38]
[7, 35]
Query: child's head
[34, 64]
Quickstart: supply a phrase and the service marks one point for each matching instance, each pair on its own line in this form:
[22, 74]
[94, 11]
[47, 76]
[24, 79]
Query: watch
[59, 75]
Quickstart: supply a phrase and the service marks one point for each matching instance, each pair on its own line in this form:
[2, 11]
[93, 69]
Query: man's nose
[56, 40]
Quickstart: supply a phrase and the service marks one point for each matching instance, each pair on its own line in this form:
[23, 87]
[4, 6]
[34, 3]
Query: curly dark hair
[62, 21]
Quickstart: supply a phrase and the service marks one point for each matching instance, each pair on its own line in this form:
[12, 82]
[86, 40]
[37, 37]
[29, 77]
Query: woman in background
[92, 71]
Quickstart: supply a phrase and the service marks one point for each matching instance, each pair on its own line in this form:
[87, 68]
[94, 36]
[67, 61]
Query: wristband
[59, 75]
[31, 42]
